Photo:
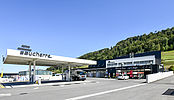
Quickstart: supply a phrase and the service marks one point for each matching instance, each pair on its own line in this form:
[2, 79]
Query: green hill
[167, 58]
[160, 40]
[154, 41]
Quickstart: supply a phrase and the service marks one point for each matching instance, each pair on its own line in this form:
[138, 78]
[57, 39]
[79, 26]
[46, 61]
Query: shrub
[171, 68]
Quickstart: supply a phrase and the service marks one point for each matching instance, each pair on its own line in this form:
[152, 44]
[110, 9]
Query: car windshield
[81, 73]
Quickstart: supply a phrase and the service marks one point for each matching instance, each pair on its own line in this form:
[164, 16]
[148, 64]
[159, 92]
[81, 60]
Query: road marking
[104, 92]
[5, 95]
[8, 87]
[36, 88]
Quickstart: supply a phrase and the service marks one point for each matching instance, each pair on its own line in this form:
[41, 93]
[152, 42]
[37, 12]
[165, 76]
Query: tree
[171, 68]
[158, 47]
[160, 40]
[171, 46]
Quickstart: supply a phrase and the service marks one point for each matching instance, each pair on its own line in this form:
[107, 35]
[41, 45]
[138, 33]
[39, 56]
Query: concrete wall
[158, 76]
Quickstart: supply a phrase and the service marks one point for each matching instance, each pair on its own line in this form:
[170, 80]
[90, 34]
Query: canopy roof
[25, 57]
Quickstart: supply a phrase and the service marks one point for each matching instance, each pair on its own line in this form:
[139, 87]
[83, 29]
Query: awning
[25, 57]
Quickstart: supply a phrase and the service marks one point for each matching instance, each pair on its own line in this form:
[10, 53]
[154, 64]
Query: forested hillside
[162, 40]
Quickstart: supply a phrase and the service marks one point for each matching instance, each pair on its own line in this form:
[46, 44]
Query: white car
[123, 77]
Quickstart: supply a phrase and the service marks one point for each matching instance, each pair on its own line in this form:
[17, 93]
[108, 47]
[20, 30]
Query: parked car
[2, 80]
[56, 77]
[123, 77]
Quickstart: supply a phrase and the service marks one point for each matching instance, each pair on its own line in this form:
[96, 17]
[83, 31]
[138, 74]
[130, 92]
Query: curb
[50, 84]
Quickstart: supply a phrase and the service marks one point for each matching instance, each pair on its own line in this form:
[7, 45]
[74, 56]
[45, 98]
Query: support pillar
[62, 73]
[69, 74]
[30, 80]
[34, 71]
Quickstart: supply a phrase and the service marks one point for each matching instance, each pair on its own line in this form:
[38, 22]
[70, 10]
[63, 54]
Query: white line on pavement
[5, 95]
[36, 88]
[8, 87]
[104, 92]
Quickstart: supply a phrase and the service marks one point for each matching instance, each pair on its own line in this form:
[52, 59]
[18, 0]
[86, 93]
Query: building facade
[134, 65]
[98, 70]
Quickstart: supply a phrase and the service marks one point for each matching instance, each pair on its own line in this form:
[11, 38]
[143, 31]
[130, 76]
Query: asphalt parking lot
[95, 89]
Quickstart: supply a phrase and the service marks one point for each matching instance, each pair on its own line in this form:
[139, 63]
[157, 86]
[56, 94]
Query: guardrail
[157, 76]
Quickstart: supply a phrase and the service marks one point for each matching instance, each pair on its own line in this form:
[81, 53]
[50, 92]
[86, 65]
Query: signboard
[36, 54]
[135, 61]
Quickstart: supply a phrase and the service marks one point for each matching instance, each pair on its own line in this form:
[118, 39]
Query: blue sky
[74, 27]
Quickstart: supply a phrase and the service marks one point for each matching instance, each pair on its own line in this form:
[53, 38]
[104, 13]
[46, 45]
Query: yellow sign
[2, 73]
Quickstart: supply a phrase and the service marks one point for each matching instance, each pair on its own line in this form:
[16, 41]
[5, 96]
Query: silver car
[123, 77]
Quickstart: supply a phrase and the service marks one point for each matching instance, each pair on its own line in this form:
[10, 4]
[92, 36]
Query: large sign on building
[28, 53]
[136, 61]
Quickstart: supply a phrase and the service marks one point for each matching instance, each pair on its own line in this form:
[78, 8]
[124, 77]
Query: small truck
[78, 75]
